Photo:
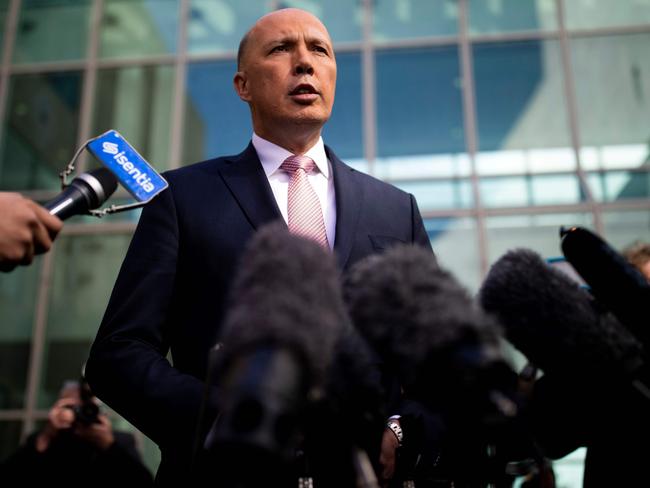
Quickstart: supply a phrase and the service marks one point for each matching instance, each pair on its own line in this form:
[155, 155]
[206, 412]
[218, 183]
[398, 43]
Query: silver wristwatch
[396, 428]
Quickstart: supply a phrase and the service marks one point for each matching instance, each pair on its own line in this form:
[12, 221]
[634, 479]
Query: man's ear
[241, 86]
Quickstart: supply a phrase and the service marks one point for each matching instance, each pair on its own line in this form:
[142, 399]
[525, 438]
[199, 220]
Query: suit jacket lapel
[246, 180]
[349, 195]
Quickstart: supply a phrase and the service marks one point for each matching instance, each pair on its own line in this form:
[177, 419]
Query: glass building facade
[505, 118]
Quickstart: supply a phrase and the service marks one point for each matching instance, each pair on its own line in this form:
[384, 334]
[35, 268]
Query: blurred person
[76, 447]
[638, 254]
[26, 229]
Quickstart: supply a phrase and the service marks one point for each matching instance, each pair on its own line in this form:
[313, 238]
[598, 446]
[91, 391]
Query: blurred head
[287, 73]
[638, 254]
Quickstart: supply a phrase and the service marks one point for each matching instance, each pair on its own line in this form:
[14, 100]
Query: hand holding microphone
[26, 229]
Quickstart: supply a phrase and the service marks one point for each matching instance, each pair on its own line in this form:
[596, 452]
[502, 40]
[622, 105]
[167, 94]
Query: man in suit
[170, 293]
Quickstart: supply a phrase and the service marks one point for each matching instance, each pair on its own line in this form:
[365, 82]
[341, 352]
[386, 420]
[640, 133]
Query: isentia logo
[140, 178]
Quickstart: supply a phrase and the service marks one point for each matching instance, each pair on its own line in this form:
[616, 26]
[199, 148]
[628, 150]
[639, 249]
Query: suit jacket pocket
[381, 243]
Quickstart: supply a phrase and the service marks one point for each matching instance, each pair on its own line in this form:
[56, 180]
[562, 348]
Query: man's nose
[303, 63]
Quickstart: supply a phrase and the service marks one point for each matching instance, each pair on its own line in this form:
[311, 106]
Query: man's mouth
[302, 89]
[304, 93]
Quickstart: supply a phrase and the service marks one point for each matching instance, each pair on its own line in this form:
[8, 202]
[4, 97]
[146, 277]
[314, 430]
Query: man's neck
[296, 142]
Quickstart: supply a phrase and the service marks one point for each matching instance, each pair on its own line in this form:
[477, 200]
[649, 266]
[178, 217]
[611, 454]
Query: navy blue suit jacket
[171, 290]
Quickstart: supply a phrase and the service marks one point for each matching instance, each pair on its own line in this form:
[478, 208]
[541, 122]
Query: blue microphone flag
[132, 170]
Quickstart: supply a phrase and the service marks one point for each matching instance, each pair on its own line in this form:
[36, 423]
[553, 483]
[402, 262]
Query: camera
[88, 411]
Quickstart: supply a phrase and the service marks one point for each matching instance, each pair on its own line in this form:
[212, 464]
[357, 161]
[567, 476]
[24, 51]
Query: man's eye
[320, 49]
[279, 49]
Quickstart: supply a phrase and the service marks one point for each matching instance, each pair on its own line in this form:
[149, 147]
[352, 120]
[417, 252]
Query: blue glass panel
[344, 132]
[217, 122]
[414, 18]
[440, 194]
[511, 15]
[419, 102]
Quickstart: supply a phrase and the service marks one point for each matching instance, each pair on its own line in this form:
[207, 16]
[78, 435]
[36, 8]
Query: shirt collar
[272, 156]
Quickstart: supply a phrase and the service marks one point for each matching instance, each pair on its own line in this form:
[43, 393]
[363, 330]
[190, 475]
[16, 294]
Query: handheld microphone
[614, 282]
[86, 192]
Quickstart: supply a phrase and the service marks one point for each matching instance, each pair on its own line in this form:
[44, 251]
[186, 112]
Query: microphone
[285, 327]
[557, 324]
[445, 354]
[424, 323]
[614, 282]
[86, 192]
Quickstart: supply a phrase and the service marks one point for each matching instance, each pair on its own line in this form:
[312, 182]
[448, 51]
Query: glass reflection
[52, 31]
[511, 15]
[519, 191]
[40, 132]
[619, 185]
[622, 228]
[4, 7]
[18, 292]
[419, 110]
[85, 268]
[455, 242]
[218, 26]
[585, 14]
[612, 77]
[216, 122]
[138, 28]
[341, 17]
[440, 194]
[521, 112]
[137, 102]
[403, 19]
[537, 232]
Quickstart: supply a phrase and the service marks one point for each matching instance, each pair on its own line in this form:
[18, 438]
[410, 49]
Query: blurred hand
[99, 434]
[60, 417]
[387, 455]
[26, 229]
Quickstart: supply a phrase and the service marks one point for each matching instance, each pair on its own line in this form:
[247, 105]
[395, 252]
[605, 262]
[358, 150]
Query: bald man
[170, 293]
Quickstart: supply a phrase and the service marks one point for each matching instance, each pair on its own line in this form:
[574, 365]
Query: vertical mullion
[369, 101]
[38, 342]
[5, 66]
[90, 79]
[180, 83]
[569, 93]
[470, 125]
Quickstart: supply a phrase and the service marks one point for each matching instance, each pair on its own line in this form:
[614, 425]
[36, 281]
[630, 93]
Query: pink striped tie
[304, 210]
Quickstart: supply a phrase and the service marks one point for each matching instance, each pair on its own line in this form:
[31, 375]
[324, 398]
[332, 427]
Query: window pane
[40, 132]
[52, 30]
[584, 14]
[343, 132]
[619, 185]
[85, 268]
[419, 114]
[522, 118]
[537, 232]
[414, 18]
[18, 292]
[440, 194]
[138, 28]
[137, 102]
[9, 438]
[455, 242]
[511, 15]
[219, 25]
[341, 17]
[217, 122]
[612, 77]
[530, 190]
[4, 8]
[622, 228]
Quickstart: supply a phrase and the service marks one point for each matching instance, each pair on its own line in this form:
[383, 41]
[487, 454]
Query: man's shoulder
[199, 169]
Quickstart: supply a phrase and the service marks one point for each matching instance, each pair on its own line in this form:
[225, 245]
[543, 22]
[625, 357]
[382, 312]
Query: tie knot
[294, 163]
